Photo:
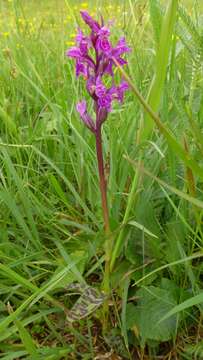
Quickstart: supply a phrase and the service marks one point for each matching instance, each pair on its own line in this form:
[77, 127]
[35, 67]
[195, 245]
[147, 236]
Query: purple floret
[81, 107]
[94, 25]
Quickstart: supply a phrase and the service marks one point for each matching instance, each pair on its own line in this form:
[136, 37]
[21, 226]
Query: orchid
[93, 69]
[96, 59]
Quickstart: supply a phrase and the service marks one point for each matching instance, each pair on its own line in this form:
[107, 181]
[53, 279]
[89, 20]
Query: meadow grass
[51, 229]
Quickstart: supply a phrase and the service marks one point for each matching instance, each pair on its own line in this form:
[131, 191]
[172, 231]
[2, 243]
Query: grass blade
[195, 300]
[162, 58]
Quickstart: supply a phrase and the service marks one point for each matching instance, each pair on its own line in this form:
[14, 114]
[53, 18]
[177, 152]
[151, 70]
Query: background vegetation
[51, 230]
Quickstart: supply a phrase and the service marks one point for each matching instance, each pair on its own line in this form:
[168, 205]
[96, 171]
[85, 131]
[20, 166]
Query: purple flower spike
[94, 68]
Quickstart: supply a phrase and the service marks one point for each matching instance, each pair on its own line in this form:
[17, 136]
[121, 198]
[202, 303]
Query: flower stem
[107, 245]
[102, 180]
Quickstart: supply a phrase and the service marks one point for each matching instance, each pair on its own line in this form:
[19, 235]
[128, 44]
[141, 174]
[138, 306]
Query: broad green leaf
[153, 302]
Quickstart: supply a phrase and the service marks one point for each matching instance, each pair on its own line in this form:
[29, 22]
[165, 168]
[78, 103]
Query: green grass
[51, 229]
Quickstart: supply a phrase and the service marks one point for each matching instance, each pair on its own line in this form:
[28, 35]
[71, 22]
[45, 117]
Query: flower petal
[94, 25]
[100, 89]
[81, 107]
[74, 52]
[104, 45]
[104, 31]
[86, 118]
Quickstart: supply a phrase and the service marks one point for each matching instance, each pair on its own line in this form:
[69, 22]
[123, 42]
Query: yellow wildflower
[84, 5]
[6, 34]
[70, 43]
